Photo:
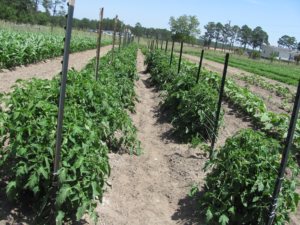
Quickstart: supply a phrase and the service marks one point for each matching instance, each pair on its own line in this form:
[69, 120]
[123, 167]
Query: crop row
[257, 80]
[191, 105]
[24, 48]
[285, 75]
[240, 179]
[94, 113]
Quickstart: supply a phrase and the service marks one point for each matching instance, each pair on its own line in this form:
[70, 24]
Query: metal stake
[99, 43]
[180, 57]
[114, 38]
[200, 64]
[285, 156]
[166, 46]
[61, 103]
[219, 105]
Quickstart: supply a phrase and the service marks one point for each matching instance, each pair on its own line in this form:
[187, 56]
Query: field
[279, 71]
[24, 48]
[135, 143]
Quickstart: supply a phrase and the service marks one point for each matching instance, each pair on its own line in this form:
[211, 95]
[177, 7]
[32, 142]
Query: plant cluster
[24, 48]
[93, 113]
[254, 55]
[191, 107]
[259, 81]
[239, 187]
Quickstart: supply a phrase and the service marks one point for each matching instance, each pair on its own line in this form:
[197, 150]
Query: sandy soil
[47, 69]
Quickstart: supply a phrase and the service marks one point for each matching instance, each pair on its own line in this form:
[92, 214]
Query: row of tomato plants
[191, 106]
[240, 181]
[22, 48]
[94, 112]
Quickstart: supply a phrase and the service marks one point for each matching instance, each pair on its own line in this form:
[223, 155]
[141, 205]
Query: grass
[280, 71]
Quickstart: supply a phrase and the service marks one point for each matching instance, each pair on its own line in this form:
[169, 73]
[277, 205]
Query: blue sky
[276, 17]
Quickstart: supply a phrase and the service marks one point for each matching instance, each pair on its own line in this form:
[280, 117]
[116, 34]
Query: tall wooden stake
[124, 40]
[98, 44]
[113, 47]
[120, 36]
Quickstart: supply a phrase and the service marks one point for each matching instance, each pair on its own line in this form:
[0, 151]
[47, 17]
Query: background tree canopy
[185, 28]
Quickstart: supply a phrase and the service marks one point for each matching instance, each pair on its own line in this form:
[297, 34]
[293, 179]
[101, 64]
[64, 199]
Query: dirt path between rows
[48, 68]
[152, 188]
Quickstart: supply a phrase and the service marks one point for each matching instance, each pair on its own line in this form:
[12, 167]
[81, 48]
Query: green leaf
[95, 216]
[11, 190]
[81, 211]
[59, 217]
[209, 215]
[62, 195]
[47, 164]
[231, 209]
[43, 171]
[62, 175]
[96, 189]
[296, 199]
[33, 180]
[223, 219]
[260, 186]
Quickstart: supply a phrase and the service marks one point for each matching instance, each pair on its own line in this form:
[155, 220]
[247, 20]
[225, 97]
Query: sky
[276, 17]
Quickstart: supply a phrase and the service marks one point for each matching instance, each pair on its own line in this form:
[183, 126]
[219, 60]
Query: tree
[234, 34]
[287, 41]
[226, 33]
[218, 28]
[137, 30]
[210, 32]
[245, 36]
[56, 7]
[259, 38]
[184, 28]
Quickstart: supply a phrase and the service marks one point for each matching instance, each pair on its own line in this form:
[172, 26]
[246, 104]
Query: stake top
[72, 2]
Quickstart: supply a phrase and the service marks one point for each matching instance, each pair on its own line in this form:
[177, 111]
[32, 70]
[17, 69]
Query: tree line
[245, 36]
[27, 12]
[185, 28]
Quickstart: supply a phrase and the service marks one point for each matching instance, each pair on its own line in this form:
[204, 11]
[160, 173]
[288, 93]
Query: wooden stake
[120, 36]
[113, 47]
[99, 43]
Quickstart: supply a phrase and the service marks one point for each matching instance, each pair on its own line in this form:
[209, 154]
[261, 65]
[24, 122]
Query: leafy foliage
[23, 48]
[254, 55]
[93, 112]
[192, 107]
[239, 186]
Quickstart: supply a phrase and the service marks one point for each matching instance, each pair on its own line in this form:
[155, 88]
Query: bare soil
[47, 69]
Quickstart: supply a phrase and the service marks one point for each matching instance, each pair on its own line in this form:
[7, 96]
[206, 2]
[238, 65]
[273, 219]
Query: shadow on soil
[16, 212]
[188, 213]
